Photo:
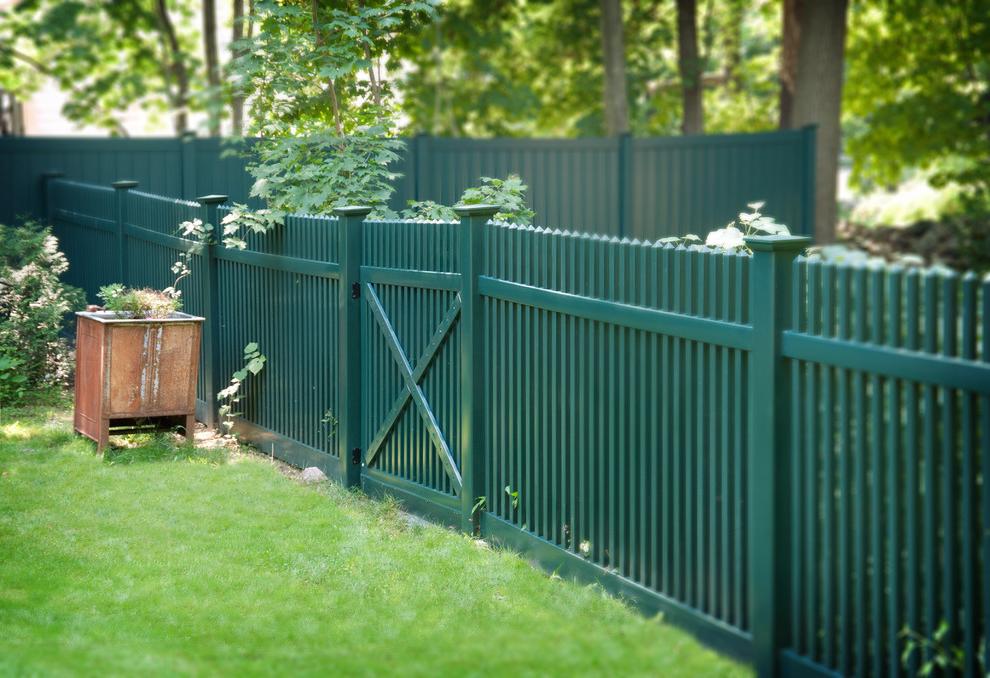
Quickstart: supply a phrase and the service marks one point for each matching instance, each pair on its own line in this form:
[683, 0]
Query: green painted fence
[645, 188]
[786, 457]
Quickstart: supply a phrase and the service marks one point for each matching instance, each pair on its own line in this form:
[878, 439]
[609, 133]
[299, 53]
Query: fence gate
[409, 373]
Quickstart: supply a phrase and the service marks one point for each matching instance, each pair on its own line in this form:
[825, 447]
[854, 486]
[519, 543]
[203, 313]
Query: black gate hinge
[356, 456]
[355, 290]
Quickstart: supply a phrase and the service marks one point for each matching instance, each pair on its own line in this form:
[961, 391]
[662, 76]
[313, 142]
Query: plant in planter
[137, 362]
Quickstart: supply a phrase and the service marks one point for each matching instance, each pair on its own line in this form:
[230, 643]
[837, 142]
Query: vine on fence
[254, 362]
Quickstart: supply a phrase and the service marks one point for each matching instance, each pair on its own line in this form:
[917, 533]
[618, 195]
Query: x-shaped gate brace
[411, 378]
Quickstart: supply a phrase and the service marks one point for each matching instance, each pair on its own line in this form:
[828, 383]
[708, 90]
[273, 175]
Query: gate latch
[355, 290]
[356, 456]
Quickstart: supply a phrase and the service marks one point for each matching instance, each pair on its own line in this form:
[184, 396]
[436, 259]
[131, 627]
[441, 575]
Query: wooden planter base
[135, 375]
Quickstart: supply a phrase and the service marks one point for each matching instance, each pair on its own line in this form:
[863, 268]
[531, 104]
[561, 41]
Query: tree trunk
[788, 62]
[237, 100]
[614, 56]
[212, 65]
[690, 67]
[174, 67]
[817, 97]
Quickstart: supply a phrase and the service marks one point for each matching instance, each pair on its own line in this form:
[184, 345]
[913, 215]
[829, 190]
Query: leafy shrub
[508, 194]
[13, 382]
[34, 308]
[139, 303]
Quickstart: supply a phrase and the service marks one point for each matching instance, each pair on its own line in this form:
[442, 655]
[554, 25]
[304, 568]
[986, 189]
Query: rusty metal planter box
[132, 373]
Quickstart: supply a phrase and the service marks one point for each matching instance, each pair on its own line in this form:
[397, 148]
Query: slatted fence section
[632, 186]
[84, 219]
[281, 292]
[890, 451]
[616, 378]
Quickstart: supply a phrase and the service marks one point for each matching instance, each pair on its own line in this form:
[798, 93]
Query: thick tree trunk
[614, 56]
[690, 66]
[237, 100]
[817, 97]
[788, 61]
[212, 65]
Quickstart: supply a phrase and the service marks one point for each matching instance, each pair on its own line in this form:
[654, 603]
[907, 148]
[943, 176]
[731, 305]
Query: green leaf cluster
[499, 68]
[917, 91]
[108, 56]
[254, 362]
[320, 102]
[127, 302]
[508, 194]
[34, 307]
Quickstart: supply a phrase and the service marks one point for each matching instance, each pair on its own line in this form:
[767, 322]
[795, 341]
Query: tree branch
[48, 72]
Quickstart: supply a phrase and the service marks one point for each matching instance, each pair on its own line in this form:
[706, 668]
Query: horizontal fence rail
[626, 186]
[783, 455]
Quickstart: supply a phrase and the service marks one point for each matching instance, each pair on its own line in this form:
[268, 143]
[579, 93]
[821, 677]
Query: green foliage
[241, 218]
[254, 362]
[429, 210]
[934, 651]
[127, 302]
[34, 304]
[508, 194]
[324, 114]
[513, 496]
[13, 381]
[913, 201]
[917, 92]
[107, 56]
[535, 69]
[731, 237]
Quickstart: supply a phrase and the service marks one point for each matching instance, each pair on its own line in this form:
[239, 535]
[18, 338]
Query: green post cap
[352, 211]
[777, 243]
[212, 199]
[476, 210]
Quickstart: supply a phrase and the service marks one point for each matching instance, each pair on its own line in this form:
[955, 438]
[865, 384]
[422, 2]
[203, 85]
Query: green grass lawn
[166, 560]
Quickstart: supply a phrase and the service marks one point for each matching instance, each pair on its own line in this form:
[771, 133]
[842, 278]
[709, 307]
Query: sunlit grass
[165, 559]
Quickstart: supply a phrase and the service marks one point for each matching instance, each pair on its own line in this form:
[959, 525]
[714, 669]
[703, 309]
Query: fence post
[473, 220]
[624, 193]
[121, 189]
[187, 151]
[349, 341]
[46, 193]
[769, 453]
[211, 328]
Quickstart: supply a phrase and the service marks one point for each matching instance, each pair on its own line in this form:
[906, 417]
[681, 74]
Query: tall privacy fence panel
[645, 188]
[785, 456]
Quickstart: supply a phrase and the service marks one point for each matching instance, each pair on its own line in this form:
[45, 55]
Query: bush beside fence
[785, 456]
